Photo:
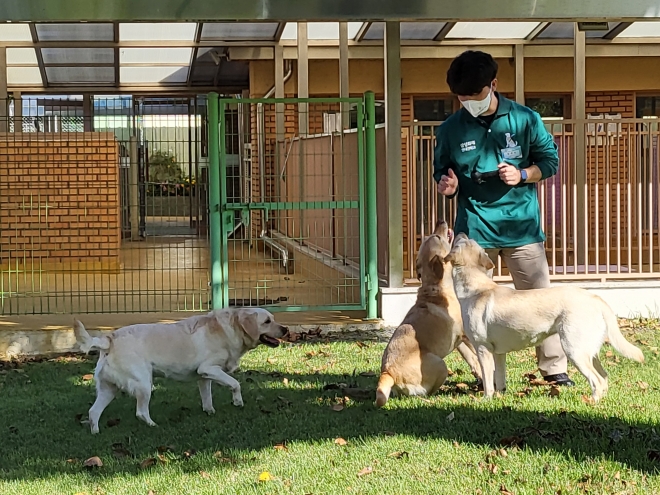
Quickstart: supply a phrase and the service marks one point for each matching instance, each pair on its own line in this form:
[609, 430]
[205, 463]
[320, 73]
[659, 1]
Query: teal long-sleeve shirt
[494, 214]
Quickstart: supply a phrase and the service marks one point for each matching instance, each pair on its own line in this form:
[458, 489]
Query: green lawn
[288, 430]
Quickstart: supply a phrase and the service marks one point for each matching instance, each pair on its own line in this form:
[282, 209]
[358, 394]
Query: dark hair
[471, 72]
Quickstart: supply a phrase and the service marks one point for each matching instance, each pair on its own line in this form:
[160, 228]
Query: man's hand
[509, 174]
[448, 184]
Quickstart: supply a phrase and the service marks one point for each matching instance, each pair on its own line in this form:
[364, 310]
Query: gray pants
[529, 269]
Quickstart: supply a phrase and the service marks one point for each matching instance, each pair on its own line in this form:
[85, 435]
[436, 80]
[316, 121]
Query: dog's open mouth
[269, 341]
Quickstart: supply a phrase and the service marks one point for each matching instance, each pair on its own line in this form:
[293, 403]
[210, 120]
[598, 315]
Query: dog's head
[430, 264]
[259, 325]
[467, 253]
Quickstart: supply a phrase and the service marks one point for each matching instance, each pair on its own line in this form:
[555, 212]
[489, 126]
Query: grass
[287, 432]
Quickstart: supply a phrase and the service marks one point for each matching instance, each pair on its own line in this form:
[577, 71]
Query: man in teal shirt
[491, 153]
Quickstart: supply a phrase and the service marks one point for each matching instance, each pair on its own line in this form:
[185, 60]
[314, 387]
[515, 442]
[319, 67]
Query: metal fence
[600, 225]
[103, 205]
[293, 205]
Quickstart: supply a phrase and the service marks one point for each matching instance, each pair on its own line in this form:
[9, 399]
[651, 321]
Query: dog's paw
[209, 411]
[238, 402]
[94, 430]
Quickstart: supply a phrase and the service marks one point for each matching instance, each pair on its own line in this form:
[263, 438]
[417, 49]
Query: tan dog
[413, 362]
[499, 320]
[203, 348]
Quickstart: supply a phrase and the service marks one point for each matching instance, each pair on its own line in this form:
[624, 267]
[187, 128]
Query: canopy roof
[191, 54]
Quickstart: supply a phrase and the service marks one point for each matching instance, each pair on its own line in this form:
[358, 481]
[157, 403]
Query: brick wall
[608, 160]
[59, 201]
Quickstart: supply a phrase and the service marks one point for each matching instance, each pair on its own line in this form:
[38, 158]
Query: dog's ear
[485, 261]
[437, 267]
[247, 320]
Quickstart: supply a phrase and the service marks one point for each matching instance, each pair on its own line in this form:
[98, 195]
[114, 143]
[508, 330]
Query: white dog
[498, 320]
[204, 347]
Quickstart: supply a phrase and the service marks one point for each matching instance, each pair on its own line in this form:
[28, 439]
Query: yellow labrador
[413, 362]
[499, 320]
[203, 348]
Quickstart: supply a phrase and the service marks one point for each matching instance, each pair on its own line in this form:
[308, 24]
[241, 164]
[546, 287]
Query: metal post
[88, 113]
[343, 74]
[279, 92]
[18, 112]
[580, 243]
[3, 91]
[393, 151]
[372, 222]
[215, 225]
[519, 53]
[133, 188]
[303, 79]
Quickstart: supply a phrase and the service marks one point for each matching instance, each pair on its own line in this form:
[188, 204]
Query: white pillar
[579, 102]
[303, 79]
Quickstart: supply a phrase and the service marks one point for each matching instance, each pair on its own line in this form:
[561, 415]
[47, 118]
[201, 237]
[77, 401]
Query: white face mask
[478, 107]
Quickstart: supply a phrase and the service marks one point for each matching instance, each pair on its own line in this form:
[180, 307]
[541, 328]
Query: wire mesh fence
[292, 195]
[103, 205]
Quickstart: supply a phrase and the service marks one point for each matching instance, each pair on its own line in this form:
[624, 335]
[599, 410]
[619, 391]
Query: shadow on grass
[41, 408]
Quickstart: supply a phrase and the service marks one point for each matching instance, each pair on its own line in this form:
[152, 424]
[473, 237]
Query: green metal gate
[292, 203]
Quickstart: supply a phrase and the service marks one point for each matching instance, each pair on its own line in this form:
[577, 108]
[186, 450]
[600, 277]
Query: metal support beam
[393, 151]
[322, 10]
[115, 30]
[88, 113]
[343, 74]
[18, 111]
[579, 99]
[442, 34]
[195, 53]
[4, 102]
[133, 189]
[617, 30]
[279, 92]
[303, 79]
[40, 58]
[362, 32]
[537, 31]
[519, 55]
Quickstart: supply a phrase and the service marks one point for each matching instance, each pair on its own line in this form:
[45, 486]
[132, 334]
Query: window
[380, 114]
[648, 106]
[432, 110]
[550, 106]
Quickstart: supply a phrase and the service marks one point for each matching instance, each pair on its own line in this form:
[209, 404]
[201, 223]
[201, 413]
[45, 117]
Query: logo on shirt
[510, 143]
[468, 146]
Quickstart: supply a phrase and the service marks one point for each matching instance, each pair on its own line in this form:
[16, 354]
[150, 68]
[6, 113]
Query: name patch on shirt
[468, 146]
[512, 150]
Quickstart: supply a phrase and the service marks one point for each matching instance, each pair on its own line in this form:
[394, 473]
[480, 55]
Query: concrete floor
[169, 273]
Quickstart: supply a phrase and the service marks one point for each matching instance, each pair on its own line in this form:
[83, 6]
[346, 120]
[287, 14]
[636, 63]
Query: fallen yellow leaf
[340, 441]
[265, 476]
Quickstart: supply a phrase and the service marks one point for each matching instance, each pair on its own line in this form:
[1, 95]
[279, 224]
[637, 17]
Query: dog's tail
[618, 341]
[384, 388]
[86, 341]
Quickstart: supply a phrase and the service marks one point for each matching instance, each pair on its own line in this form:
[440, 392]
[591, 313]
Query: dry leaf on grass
[643, 386]
[188, 453]
[120, 451]
[514, 440]
[337, 407]
[450, 416]
[340, 441]
[204, 474]
[113, 422]
[147, 463]
[588, 399]
[281, 446]
[87, 377]
[399, 454]
[265, 476]
[504, 491]
[365, 471]
[462, 386]
[554, 391]
[93, 462]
